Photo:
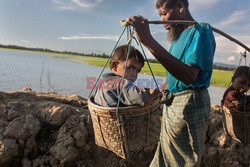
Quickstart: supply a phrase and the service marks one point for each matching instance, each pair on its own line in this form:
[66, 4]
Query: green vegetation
[220, 78]
[156, 67]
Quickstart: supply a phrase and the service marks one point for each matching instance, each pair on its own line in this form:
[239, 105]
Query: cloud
[90, 37]
[25, 41]
[76, 4]
[231, 58]
[82, 4]
[198, 5]
[233, 19]
[226, 48]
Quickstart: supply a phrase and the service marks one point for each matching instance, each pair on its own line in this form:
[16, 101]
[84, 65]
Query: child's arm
[231, 102]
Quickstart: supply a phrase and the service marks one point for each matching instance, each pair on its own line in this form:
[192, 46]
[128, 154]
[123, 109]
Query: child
[234, 97]
[114, 88]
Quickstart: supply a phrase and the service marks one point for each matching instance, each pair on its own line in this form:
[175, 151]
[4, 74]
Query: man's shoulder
[204, 30]
[202, 26]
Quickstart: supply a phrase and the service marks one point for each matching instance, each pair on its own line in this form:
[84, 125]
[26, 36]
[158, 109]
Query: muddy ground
[53, 130]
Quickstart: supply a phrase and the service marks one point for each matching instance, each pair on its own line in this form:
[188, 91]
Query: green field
[220, 78]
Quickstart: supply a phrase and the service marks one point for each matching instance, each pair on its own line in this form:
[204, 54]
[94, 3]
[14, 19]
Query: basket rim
[236, 113]
[137, 110]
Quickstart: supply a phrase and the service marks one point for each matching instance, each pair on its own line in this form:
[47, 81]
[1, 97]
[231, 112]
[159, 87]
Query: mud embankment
[49, 129]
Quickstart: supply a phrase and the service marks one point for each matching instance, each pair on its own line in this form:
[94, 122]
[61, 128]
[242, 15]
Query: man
[189, 64]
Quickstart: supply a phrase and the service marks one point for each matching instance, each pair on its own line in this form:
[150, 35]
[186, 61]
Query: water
[42, 72]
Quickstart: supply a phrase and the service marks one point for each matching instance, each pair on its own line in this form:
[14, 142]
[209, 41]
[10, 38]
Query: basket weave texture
[134, 128]
[237, 125]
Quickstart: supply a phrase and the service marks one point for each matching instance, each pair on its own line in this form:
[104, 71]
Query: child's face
[241, 84]
[132, 69]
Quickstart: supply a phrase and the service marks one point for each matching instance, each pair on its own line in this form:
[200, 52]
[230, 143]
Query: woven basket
[237, 125]
[136, 127]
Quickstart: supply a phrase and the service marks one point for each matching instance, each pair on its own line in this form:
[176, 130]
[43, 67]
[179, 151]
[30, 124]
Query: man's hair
[242, 71]
[120, 54]
[169, 3]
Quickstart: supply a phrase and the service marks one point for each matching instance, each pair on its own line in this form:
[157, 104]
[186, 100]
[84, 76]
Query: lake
[42, 72]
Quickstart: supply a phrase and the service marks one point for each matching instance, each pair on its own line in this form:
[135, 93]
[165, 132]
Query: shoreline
[74, 94]
[220, 78]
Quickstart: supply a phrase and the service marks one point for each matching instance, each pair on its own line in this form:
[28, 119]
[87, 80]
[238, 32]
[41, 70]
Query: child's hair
[121, 52]
[242, 71]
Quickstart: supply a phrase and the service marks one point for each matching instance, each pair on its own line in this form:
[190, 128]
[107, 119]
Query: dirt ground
[53, 130]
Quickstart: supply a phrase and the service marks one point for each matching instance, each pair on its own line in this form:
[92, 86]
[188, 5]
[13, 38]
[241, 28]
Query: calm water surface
[42, 72]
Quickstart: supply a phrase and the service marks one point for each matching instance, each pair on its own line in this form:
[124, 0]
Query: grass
[220, 78]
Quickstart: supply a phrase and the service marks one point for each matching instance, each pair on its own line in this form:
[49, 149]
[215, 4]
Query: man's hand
[167, 97]
[152, 94]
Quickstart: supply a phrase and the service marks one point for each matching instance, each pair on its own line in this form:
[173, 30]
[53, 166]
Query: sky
[93, 26]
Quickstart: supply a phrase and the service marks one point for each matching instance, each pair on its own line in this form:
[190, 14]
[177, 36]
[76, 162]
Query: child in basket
[234, 97]
[114, 88]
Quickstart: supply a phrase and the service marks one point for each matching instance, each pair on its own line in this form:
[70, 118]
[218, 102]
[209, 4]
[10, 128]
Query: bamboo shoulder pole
[124, 23]
[230, 38]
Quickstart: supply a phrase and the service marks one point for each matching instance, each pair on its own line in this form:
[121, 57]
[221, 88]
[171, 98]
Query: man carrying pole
[189, 64]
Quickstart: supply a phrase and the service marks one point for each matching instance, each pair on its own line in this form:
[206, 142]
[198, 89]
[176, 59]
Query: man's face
[171, 14]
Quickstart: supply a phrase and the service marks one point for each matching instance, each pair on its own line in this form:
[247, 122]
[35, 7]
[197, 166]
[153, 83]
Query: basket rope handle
[94, 87]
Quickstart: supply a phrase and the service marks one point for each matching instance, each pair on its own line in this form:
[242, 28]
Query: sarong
[183, 130]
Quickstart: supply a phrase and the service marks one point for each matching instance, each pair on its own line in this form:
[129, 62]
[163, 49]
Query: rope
[107, 62]
[123, 75]
[149, 65]
[243, 56]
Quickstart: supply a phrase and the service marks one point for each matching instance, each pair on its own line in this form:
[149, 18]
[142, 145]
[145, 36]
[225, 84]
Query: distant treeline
[92, 54]
[223, 68]
[43, 50]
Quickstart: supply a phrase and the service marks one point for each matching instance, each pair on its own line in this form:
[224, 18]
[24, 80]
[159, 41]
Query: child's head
[134, 64]
[241, 79]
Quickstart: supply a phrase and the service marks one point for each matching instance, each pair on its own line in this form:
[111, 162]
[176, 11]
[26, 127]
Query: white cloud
[25, 41]
[81, 4]
[231, 58]
[226, 48]
[76, 4]
[87, 36]
[233, 19]
[198, 5]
